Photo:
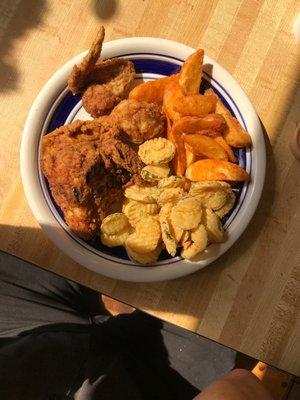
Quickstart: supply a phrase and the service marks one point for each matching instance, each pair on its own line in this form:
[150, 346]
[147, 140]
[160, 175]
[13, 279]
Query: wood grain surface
[249, 299]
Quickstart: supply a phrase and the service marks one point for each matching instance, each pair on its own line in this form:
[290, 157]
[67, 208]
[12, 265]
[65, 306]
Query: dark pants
[52, 347]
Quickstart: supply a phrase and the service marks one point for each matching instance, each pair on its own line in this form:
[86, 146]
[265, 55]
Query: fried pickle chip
[187, 214]
[135, 210]
[174, 181]
[167, 236]
[114, 224]
[152, 91]
[185, 239]
[156, 151]
[204, 146]
[213, 194]
[230, 201]
[215, 170]
[115, 239]
[198, 243]
[195, 104]
[191, 73]
[144, 194]
[146, 258]
[146, 237]
[213, 225]
[170, 195]
[152, 173]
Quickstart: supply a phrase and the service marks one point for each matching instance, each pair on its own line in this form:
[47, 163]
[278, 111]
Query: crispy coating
[87, 165]
[99, 100]
[102, 83]
[139, 120]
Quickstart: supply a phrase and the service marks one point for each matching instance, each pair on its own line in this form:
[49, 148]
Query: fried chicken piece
[86, 165]
[103, 83]
[139, 120]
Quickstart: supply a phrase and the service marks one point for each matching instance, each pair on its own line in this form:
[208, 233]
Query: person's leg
[31, 297]
[238, 384]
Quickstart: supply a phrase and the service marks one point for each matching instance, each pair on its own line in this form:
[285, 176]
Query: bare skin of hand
[238, 384]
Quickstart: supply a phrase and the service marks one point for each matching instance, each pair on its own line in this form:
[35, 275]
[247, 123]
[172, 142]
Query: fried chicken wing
[102, 83]
[86, 165]
[139, 120]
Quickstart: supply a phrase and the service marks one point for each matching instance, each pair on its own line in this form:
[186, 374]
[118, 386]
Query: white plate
[55, 106]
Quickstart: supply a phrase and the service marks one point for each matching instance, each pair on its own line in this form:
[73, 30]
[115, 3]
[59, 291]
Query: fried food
[156, 151]
[235, 135]
[172, 94]
[222, 142]
[152, 91]
[213, 194]
[191, 73]
[135, 210]
[87, 165]
[114, 224]
[170, 195]
[144, 259]
[189, 124]
[197, 244]
[139, 120]
[187, 214]
[153, 173]
[204, 146]
[174, 182]
[213, 225]
[179, 160]
[195, 105]
[102, 83]
[115, 240]
[146, 237]
[167, 237]
[144, 194]
[190, 157]
[216, 170]
[230, 201]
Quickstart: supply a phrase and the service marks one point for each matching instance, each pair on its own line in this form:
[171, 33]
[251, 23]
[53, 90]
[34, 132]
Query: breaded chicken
[103, 84]
[87, 165]
[139, 120]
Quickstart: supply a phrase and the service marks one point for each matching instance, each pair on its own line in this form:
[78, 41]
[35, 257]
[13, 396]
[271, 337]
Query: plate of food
[142, 159]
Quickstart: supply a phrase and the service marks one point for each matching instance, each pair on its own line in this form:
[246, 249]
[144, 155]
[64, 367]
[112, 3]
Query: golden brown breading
[139, 120]
[86, 165]
[103, 83]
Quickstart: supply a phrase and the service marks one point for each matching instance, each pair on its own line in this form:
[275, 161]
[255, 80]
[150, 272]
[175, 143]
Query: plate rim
[39, 206]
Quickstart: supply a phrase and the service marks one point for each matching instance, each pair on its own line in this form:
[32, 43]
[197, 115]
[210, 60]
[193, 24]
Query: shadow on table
[105, 9]
[18, 17]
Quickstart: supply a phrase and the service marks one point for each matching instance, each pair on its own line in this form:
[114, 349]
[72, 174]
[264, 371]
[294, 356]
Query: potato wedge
[152, 91]
[215, 170]
[194, 104]
[179, 160]
[190, 157]
[222, 142]
[191, 73]
[235, 135]
[205, 146]
[214, 122]
[172, 93]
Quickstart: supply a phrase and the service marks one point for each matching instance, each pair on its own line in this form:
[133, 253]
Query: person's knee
[238, 384]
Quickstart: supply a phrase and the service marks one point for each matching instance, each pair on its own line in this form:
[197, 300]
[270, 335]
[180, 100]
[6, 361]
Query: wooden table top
[249, 299]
